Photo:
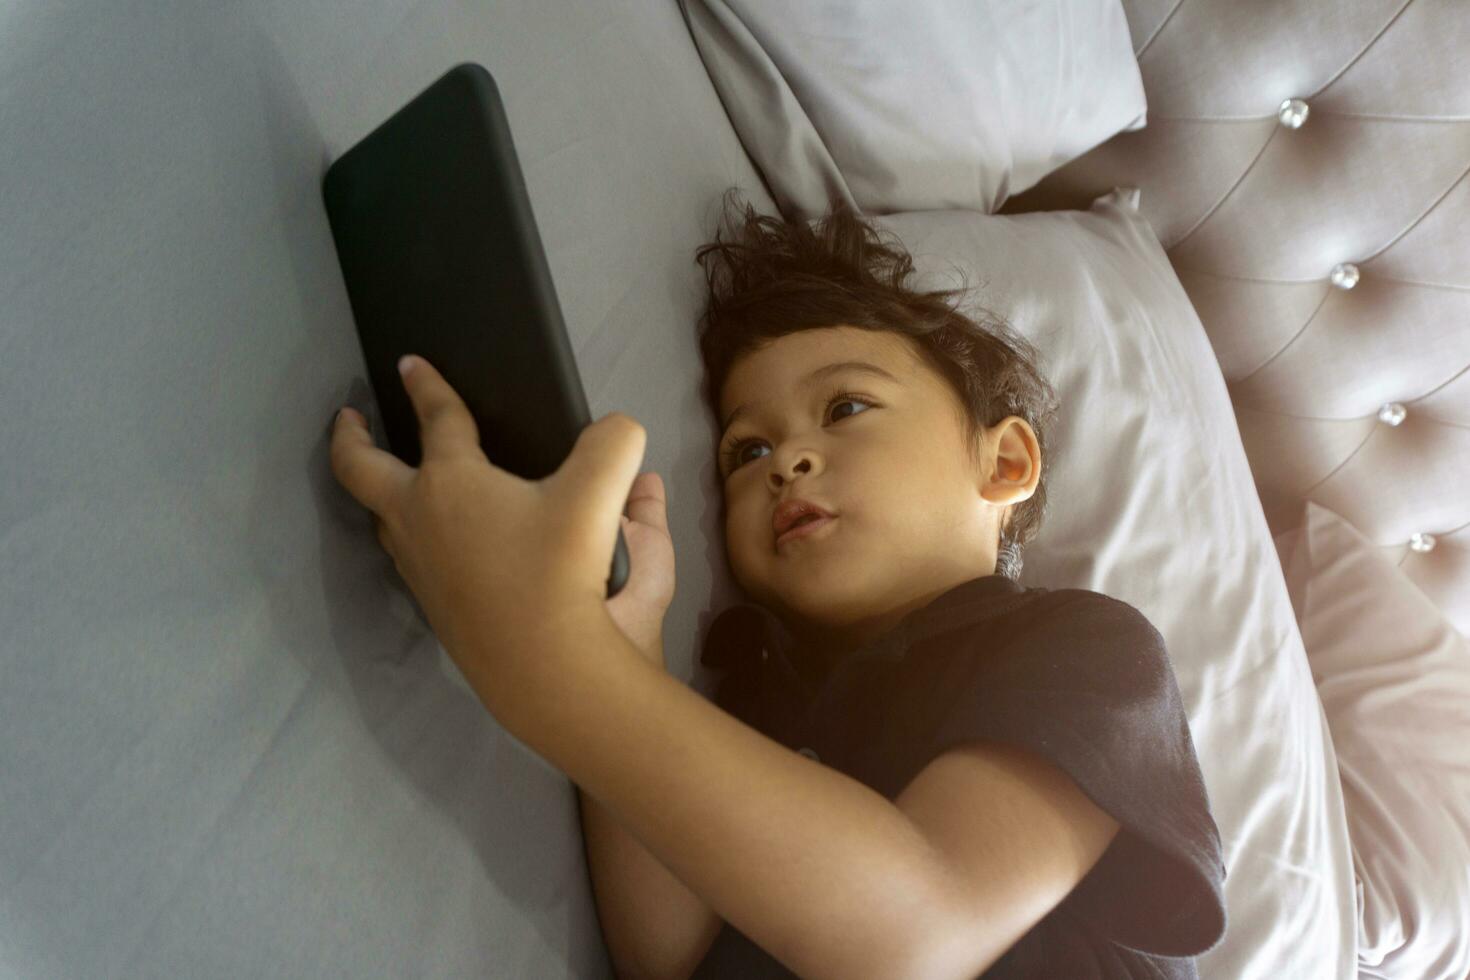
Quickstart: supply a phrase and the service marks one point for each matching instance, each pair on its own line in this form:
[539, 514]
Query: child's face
[914, 518]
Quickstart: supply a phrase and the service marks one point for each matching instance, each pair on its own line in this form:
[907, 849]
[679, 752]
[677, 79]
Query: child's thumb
[647, 503]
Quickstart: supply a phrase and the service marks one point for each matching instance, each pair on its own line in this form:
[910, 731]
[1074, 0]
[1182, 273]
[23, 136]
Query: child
[891, 639]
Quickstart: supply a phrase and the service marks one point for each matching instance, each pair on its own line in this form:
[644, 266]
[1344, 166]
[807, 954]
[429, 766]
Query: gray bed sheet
[228, 746]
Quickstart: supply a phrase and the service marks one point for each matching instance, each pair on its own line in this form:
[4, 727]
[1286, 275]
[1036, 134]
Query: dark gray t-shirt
[1077, 676]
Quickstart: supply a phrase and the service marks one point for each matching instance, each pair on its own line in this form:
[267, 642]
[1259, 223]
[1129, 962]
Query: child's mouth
[809, 524]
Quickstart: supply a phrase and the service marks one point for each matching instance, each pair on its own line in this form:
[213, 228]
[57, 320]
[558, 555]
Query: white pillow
[1394, 679]
[917, 105]
[1152, 501]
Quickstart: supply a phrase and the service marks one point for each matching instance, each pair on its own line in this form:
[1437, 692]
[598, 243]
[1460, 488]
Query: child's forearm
[825, 874]
[653, 925]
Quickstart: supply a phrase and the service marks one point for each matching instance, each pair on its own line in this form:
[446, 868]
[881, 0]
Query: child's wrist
[649, 645]
[644, 633]
[654, 651]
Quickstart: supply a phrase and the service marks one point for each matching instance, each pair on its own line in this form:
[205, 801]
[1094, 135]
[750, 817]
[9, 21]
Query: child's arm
[653, 925]
[819, 870]
[655, 928]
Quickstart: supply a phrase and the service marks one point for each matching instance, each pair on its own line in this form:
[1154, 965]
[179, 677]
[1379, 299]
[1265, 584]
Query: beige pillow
[1394, 678]
[1152, 502]
[920, 105]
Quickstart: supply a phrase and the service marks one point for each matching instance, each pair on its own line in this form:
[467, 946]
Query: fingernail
[405, 365]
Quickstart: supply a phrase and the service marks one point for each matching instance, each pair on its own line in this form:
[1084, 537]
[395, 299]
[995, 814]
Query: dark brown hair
[777, 277]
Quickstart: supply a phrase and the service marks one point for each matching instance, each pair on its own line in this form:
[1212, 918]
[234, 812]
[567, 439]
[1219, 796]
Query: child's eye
[730, 456]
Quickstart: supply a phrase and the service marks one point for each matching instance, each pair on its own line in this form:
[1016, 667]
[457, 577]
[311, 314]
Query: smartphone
[441, 257]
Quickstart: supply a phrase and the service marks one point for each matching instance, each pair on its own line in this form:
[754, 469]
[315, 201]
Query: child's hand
[495, 560]
[638, 610]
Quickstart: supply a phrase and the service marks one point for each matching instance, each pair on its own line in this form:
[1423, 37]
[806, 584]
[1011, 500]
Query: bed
[229, 746]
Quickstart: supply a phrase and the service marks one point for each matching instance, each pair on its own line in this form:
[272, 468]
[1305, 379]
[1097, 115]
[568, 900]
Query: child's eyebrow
[817, 375]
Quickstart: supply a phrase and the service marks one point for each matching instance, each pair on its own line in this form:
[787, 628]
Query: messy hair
[776, 277]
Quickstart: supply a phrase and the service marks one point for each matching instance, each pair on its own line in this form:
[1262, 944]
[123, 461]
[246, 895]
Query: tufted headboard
[1306, 167]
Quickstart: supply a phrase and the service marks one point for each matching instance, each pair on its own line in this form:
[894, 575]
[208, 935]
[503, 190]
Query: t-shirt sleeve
[1088, 685]
[737, 692]
[732, 647]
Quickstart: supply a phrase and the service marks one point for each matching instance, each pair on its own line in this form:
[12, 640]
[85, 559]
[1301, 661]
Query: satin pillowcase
[918, 105]
[1394, 679]
[1151, 500]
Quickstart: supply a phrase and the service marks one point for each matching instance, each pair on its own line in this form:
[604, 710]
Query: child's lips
[804, 529]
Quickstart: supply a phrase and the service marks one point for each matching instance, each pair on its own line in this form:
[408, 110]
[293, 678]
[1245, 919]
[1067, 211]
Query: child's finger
[646, 503]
